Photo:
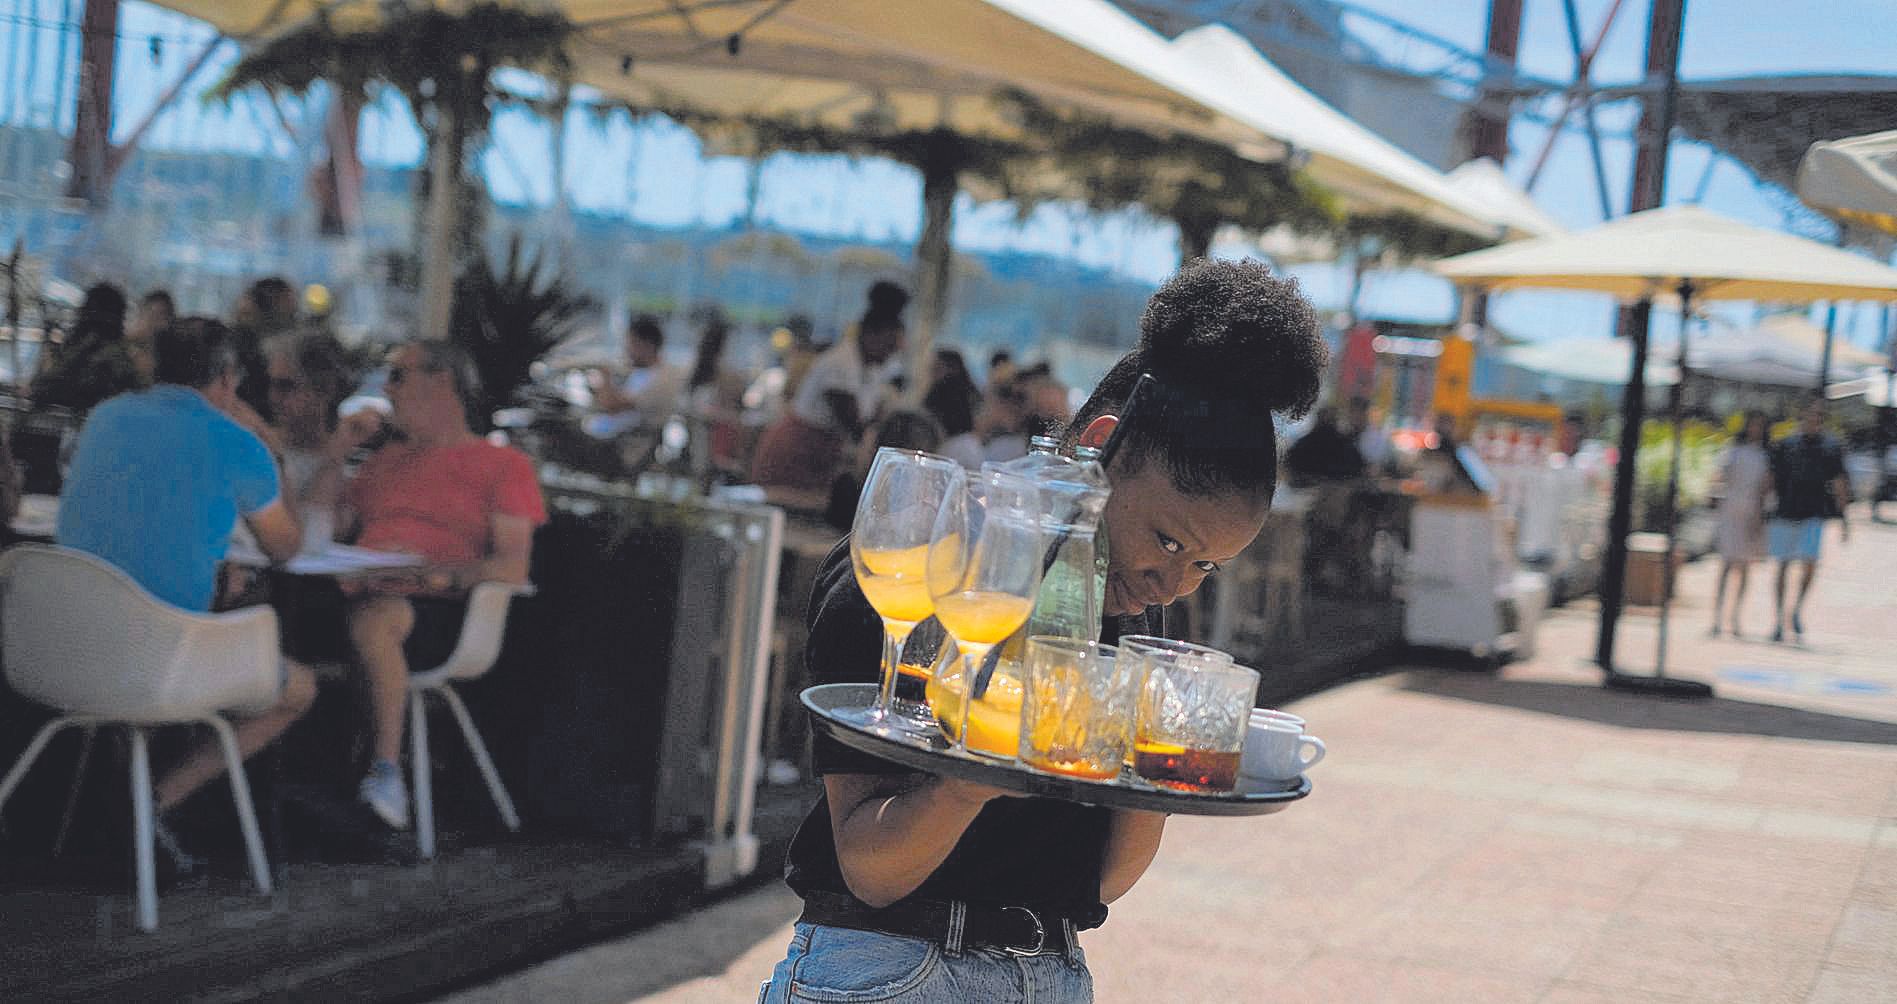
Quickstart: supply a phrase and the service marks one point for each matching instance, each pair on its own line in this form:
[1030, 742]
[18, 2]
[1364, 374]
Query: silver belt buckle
[1040, 933]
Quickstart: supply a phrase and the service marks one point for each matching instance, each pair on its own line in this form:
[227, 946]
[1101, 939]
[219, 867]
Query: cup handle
[1315, 744]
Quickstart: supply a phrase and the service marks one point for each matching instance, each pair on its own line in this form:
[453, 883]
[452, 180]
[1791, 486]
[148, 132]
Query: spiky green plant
[509, 319]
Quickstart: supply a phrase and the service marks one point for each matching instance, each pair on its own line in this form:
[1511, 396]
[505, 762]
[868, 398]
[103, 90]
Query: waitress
[923, 888]
[836, 400]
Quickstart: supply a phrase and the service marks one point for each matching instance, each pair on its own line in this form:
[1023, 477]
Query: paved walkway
[1529, 837]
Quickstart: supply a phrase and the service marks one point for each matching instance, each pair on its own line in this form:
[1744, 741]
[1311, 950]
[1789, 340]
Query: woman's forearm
[892, 833]
[1132, 842]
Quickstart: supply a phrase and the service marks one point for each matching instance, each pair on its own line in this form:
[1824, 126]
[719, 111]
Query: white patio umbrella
[850, 65]
[1696, 254]
[1485, 183]
[1853, 180]
[1369, 173]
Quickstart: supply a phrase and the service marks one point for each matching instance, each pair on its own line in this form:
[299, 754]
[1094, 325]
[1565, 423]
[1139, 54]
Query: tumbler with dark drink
[1170, 765]
[1190, 732]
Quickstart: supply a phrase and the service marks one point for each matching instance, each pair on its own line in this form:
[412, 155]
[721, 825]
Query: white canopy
[1647, 253]
[1221, 68]
[1854, 180]
[1484, 182]
[1878, 388]
[841, 63]
[1588, 360]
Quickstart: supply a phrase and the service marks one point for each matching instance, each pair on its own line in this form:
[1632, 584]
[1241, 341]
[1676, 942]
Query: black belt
[956, 925]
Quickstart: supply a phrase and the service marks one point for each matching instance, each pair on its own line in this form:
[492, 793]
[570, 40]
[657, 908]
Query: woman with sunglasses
[920, 888]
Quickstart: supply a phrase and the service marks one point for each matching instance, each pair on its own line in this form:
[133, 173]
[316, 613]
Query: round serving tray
[1252, 797]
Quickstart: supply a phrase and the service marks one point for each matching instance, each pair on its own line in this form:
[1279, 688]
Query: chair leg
[493, 777]
[142, 826]
[72, 793]
[32, 753]
[424, 779]
[240, 793]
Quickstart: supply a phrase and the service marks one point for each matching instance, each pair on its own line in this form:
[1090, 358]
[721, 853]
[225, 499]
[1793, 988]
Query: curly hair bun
[1236, 332]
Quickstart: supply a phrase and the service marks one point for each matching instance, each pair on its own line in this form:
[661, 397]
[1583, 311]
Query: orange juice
[982, 617]
[996, 727]
[904, 600]
[895, 581]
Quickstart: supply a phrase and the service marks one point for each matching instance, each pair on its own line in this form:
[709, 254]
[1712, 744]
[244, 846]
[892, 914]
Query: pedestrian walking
[1745, 474]
[1809, 481]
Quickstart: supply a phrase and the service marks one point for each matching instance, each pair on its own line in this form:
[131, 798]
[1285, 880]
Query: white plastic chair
[84, 639]
[474, 654]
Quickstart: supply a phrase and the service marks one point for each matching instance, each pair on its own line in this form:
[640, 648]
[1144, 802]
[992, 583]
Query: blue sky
[654, 173]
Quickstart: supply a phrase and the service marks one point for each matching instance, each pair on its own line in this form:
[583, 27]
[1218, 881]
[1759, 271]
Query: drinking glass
[1077, 709]
[889, 546]
[984, 573]
[1190, 730]
[1145, 651]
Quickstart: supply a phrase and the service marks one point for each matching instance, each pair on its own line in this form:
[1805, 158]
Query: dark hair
[711, 349]
[1228, 344]
[908, 430]
[999, 356]
[1746, 418]
[646, 328]
[101, 315]
[193, 352]
[886, 303]
[951, 402]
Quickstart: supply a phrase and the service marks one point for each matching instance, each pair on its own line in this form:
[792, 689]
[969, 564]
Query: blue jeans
[838, 965]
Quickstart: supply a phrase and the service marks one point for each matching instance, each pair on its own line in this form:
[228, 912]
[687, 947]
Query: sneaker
[386, 794]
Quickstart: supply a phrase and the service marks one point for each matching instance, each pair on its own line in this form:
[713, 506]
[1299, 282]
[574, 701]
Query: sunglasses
[400, 374]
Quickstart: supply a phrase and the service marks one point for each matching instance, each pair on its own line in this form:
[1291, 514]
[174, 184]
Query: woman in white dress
[1745, 473]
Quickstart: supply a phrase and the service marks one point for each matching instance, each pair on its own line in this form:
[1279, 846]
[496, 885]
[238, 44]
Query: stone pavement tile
[1866, 939]
[1581, 866]
[1520, 935]
[1334, 976]
[1581, 993]
[1845, 986]
[1706, 951]
[1747, 870]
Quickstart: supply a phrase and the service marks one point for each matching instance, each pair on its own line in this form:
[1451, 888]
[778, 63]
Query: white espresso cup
[1278, 750]
[1274, 715]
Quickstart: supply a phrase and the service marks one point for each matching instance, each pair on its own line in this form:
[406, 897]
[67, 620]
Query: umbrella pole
[1659, 683]
[1633, 412]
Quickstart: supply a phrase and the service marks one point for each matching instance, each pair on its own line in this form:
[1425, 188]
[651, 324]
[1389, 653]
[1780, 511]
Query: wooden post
[438, 250]
[935, 255]
[90, 152]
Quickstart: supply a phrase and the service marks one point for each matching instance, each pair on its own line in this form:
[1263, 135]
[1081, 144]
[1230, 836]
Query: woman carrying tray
[922, 888]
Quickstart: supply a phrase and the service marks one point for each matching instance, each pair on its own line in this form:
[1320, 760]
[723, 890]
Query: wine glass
[889, 546]
[985, 566]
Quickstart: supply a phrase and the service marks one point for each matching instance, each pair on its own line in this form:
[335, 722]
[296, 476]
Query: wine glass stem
[972, 656]
[894, 634]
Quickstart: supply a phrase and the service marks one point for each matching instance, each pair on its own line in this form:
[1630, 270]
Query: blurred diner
[904, 429]
[155, 310]
[159, 480]
[647, 393]
[437, 490]
[310, 376]
[94, 362]
[836, 400]
[266, 311]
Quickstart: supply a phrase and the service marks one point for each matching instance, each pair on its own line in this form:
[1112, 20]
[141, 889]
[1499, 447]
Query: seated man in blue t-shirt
[158, 481]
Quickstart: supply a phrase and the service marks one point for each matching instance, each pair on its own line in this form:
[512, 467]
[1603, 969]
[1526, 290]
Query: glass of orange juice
[984, 570]
[889, 547]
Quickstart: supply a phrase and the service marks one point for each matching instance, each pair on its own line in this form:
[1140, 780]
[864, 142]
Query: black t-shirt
[1803, 468]
[1041, 853]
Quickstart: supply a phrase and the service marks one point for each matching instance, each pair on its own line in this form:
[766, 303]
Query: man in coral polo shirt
[441, 491]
